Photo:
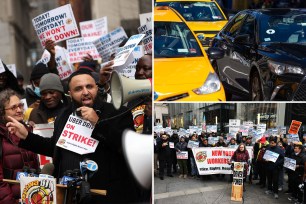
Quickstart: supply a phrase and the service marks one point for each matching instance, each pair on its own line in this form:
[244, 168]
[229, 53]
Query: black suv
[264, 54]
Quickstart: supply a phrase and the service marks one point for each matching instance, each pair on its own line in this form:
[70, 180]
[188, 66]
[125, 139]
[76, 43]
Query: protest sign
[290, 163]
[45, 58]
[12, 68]
[182, 155]
[62, 63]
[211, 128]
[192, 144]
[58, 25]
[294, 127]
[76, 136]
[158, 128]
[213, 140]
[261, 128]
[292, 138]
[214, 160]
[145, 18]
[234, 122]
[282, 130]
[248, 123]
[44, 130]
[270, 156]
[244, 130]
[2, 69]
[171, 145]
[94, 29]
[78, 48]
[147, 40]
[37, 190]
[107, 44]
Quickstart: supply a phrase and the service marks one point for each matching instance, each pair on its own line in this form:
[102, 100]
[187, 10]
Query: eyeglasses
[14, 107]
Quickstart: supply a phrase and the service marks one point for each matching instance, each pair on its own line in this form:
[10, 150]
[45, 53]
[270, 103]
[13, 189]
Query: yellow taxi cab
[182, 71]
[204, 17]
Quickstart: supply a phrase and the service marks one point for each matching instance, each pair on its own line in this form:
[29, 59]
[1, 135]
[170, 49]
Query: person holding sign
[296, 177]
[273, 168]
[105, 126]
[12, 158]
[193, 165]
[163, 149]
[179, 147]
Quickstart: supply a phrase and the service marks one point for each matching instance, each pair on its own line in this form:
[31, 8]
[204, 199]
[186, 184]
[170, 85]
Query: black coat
[163, 151]
[113, 174]
[300, 160]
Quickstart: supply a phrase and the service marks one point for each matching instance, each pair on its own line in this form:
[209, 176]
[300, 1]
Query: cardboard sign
[270, 156]
[182, 155]
[192, 144]
[107, 44]
[147, 40]
[38, 190]
[294, 127]
[145, 18]
[76, 136]
[130, 70]
[12, 68]
[58, 25]
[44, 130]
[171, 145]
[290, 163]
[78, 48]
[94, 29]
[2, 69]
[62, 63]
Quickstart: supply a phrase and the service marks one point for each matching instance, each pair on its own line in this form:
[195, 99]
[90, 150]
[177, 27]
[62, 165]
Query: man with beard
[113, 174]
[164, 156]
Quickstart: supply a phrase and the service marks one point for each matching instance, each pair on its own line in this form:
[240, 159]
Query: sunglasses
[15, 107]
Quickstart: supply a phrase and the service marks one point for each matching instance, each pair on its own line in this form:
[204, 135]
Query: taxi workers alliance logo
[39, 191]
[201, 156]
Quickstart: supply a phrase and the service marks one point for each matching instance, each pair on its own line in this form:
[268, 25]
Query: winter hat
[51, 81]
[38, 71]
[90, 66]
[262, 140]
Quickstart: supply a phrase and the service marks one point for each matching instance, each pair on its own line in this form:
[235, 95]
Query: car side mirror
[200, 36]
[243, 39]
[215, 53]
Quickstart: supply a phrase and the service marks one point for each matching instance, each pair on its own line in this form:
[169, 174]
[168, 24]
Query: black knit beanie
[38, 71]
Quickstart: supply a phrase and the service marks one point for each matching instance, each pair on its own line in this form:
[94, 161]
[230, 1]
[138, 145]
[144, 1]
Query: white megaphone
[137, 150]
[124, 89]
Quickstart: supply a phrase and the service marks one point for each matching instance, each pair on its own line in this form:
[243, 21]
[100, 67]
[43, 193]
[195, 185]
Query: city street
[214, 190]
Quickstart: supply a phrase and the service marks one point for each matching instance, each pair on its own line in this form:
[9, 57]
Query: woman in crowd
[13, 158]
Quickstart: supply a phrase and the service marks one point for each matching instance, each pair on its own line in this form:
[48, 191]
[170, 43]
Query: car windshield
[174, 39]
[283, 28]
[196, 11]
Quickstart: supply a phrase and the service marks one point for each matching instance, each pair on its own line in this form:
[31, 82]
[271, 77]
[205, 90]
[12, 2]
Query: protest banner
[214, 160]
[294, 127]
[94, 29]
[147, 40]
[129, 71]
[145, 18]
[171, 145]
[2, 69]
[76, 136]
[45, 130]
[270, 156]
[12, 68]
[261, 128]
[182, 155]
[211, 128]
[107, 44]
[290, 163]
[78, 48]
[192, 144]
[58, 25]
[37, 190]
[62, 63]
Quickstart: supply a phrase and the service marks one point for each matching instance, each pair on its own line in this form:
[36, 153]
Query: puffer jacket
[13, 159]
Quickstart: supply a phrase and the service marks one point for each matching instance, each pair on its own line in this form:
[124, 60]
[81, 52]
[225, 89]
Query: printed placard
[147, 40]
[234, 122]
[211, 128]
[58, 25]
[44, 130]
[244, 130]
[2, 69]
[192, 144]
[107, 44]
[290, 163]
[76, 136]
[248, 123]
[62, 63]
[12, 68]
[270, 156]
[130, 70]
[45, 58]
[261, 128]
[78, 48]
[293, 138]
[182, 155]
[145, 18]
[294, 127]
[38, 190]
[94, 29]
[171, 145]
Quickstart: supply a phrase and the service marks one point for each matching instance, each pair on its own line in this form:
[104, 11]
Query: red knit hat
[262, 140]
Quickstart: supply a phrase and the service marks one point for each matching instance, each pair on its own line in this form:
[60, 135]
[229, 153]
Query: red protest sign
[294, 127]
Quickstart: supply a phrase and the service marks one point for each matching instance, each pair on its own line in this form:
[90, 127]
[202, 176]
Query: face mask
[37, 91]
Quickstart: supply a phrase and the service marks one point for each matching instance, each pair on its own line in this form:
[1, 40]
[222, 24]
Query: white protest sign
[244, 130]
[290, 163]
[44, 130]
[248, 123]
[25, 104]
[76, 136]
[182, 155]
[234, 122]
[37, 190]
[293, 138]
[122, 56]
[171, 145]
[94, 29]
[78, 48]
[58, 25]
[145, 18]
[233, 130]
[212, 140]
[12, 68]
[45, 58]
[147, 40]
[270, 156]
[2, 69]
[107, 44]
[261, 128]
[192, 144]
[62, 63]
[211, 128]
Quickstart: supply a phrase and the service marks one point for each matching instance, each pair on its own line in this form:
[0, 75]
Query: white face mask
[296, 153]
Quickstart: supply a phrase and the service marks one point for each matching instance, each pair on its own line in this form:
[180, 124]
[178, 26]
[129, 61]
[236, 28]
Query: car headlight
[281, 68]
[212, 84]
